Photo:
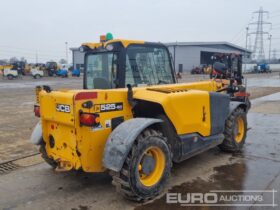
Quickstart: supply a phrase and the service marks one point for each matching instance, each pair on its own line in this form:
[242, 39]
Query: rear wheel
[37, 76]
[45, 156]
[235, 131]
[146, 168]
[10, 77]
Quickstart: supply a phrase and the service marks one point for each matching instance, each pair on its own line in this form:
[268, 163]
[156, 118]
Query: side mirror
[220, 67]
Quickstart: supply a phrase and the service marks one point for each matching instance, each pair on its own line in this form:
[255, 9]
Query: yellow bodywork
[79, 146]
[2, 67]
[124, 42]
[70, 136]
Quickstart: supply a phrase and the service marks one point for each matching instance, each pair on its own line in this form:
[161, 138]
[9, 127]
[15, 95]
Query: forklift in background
[228, 68]
[51, 68]
[21, 67]
[228, 63]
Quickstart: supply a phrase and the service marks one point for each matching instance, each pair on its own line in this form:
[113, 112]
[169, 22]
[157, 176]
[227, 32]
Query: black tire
[128, 182]
[37, 76]
[10, 77]
[230, 143]
[45, 156]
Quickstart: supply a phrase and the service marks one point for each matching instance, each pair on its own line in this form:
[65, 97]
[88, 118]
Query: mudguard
[234, 104]
[36, 136]
[121, 140]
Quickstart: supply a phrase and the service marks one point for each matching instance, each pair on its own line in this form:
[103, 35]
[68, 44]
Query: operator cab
[114, 63]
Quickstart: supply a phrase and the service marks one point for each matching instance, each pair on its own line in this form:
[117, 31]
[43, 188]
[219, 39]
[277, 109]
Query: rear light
[241, 94]
[88, 119]
[37, 110]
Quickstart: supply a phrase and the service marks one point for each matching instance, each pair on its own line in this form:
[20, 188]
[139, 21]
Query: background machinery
[10, 73]
[262, 68]
[51, 67]
[134, 120]
[22, 67]
[227, 66]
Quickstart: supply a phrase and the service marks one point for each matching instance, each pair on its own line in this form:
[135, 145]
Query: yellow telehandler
[133, 119]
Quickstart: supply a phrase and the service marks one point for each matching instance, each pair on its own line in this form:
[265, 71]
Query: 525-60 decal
[108, 107]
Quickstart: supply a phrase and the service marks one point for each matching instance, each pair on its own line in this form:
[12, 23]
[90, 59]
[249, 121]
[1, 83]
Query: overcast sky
[45, 26]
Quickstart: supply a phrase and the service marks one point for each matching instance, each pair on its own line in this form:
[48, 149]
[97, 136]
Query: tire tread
[228, 144]
[120, 180]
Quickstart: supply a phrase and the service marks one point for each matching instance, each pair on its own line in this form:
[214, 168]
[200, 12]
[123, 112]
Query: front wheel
[235, 131]
[146, 168]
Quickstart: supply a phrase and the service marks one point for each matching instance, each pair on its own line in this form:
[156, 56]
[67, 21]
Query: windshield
[147, 65]
[138, 65]
[101, 70]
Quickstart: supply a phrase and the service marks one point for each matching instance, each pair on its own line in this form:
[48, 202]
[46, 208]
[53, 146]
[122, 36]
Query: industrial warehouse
[186, 55]
[140, 105]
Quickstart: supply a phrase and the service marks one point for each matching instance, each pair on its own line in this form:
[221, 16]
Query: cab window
[147, 65]
[101, 70]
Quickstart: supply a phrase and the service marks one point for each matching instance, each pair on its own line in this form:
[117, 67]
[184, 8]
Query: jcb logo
[63, 108]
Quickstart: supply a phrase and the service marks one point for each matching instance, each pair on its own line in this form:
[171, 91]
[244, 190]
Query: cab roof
[124, 42]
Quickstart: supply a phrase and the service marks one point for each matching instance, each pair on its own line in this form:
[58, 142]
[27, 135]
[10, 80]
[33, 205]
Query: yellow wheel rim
[154, 175]
[239, 132]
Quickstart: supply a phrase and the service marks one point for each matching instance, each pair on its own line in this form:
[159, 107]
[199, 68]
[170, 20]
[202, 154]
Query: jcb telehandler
[134, 120]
